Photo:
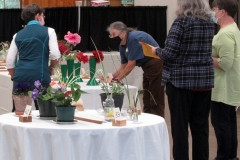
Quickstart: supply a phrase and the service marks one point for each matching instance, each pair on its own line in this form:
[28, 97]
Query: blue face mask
[214, 19]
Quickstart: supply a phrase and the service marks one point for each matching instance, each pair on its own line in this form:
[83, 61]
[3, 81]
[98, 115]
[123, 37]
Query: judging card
[27, 110]
[116, 113]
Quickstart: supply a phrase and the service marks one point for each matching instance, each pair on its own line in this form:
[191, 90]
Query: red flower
[67, 93]
[81, 57]
[98, 55]
[64, 50]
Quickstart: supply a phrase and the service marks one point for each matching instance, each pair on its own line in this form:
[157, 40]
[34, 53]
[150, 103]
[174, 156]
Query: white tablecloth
[46, 140]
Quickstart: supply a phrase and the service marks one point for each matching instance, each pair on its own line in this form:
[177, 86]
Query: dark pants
[152, 77]
[224, 121]
[189, 107]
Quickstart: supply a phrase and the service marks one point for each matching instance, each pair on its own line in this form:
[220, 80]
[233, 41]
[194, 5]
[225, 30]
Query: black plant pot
[118, 99]
[46, 108]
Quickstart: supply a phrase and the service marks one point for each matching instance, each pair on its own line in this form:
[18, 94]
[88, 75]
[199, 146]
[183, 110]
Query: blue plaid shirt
[187, 54]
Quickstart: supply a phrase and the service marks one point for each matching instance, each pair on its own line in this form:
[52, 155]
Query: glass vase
[92, 67]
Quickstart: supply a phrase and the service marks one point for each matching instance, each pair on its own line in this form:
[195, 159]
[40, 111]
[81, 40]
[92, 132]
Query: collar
[33, 22]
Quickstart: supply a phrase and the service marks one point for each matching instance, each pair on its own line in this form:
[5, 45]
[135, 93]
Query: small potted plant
[116, 89]
[63, 94]
[21, 98]
[45, 105]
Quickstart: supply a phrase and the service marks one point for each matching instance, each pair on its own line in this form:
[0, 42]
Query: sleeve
[225, 50]
[53, 45]
[12, 54]
[135, 50]
[173, 42]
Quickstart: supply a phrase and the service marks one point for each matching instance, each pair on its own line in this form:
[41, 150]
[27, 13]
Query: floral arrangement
[81, 57]
[60, 94]
[67, 45]
[4, 46]
[21, 88]
[98, 55]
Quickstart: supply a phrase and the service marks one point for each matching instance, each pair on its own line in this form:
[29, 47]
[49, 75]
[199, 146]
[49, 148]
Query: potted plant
[21, 98]
[63, 94]
[115, 89]
[45, 105]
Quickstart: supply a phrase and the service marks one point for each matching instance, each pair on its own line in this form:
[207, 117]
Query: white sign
[116, 113]
[27, 110]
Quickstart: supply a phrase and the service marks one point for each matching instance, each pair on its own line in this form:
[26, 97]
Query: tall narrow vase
[92, 67]
[70, 66]
[77, 68]
[64, 72]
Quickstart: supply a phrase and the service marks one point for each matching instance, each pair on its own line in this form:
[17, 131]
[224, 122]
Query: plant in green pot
[63, 94]
[45, 105]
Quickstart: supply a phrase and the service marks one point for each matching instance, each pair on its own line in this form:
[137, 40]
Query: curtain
[95, 20]
[10, 23]
[62, 19]
[93, 23]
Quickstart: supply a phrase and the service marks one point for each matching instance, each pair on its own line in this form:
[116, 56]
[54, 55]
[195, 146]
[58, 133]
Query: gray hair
[196, 8]
[120, 26]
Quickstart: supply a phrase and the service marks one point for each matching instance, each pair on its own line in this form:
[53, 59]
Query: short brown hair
[230, 6]
[30, 11]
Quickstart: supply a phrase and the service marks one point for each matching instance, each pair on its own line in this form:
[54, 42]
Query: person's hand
[154, 50]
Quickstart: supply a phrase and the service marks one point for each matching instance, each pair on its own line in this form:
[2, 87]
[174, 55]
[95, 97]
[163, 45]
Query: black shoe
[234, 159]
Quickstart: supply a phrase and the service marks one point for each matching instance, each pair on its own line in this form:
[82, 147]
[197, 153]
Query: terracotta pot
[20, 102]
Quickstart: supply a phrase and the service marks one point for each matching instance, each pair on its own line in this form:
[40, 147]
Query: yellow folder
[147, 50]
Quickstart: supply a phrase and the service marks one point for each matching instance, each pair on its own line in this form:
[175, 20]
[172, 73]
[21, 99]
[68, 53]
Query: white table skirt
[46, 140]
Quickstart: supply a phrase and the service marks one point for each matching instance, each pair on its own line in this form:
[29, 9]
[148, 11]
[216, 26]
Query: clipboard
[147, 50]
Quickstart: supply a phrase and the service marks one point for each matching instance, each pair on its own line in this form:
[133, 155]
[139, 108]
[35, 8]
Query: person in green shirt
[226, 92]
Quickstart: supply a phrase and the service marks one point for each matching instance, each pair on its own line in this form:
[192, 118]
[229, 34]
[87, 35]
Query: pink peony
[73, 39]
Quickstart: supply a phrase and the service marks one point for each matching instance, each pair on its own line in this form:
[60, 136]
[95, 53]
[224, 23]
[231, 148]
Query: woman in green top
[226, 91]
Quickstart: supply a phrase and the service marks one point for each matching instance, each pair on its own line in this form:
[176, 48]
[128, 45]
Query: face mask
[117, 39]
[214, 19]
[42, 22]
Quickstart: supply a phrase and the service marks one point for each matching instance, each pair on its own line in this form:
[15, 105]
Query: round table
[44, 139]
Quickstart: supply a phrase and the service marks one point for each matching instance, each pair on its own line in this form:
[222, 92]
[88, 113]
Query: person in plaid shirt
[189, 77]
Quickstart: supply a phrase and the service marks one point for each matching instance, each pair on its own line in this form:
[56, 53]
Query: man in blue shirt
[131, 53]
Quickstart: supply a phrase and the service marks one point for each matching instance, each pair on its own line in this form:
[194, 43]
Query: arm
[126, 69]
[215, 63]
[53, 64]
[173, 42]
[225, 50]
[115, 74]
[11, 57]
[53, 45]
